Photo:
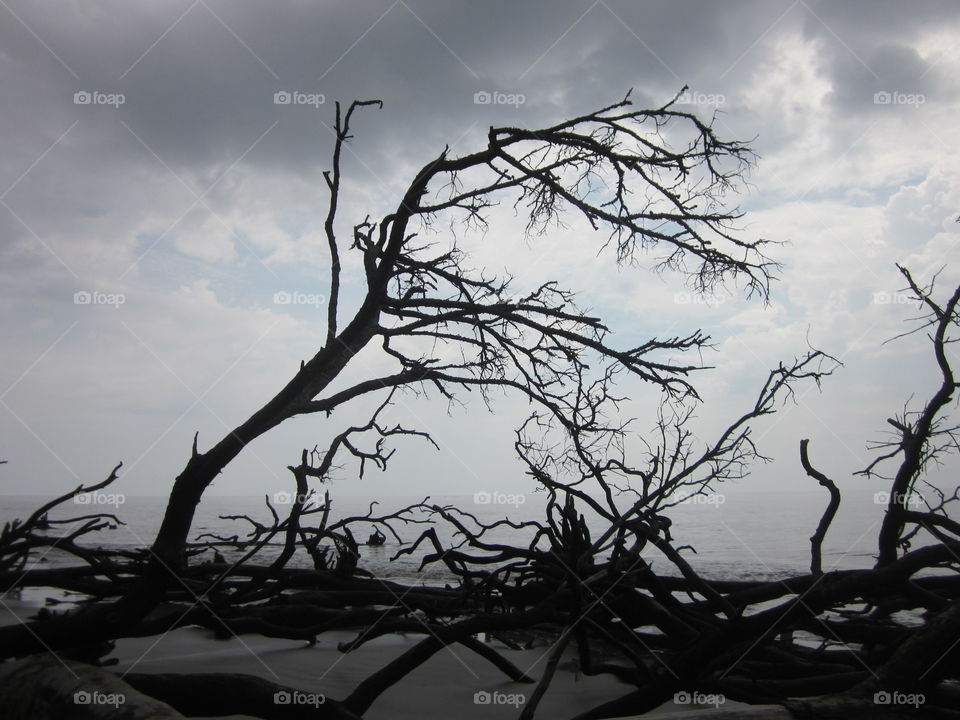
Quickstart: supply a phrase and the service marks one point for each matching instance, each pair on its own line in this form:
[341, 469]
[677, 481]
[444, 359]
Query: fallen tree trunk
[43, 687]
[219, 694]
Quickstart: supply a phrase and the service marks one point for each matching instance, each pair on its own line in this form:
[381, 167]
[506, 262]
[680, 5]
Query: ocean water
[736, 535]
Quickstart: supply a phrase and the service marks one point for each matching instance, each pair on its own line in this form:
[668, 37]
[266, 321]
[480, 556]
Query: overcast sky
[143, 159]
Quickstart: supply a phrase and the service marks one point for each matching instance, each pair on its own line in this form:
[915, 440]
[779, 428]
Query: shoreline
[446, 684]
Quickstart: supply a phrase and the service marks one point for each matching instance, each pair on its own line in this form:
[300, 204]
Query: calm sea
[737, 535]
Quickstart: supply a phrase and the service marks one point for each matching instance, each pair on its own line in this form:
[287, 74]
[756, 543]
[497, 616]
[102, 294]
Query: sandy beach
[454, 682]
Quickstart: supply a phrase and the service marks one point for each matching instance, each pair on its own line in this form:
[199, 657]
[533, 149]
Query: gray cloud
[102, 195]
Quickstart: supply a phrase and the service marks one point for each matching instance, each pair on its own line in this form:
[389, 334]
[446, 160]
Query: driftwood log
[42, 687]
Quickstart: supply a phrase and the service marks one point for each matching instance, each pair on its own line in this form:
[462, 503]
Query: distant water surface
[738, 535]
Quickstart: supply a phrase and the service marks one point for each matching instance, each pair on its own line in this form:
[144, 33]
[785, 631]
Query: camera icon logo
[282, 697]
[481, 697]
[282, 97]
[82, 97]
[282, 498]
[482, 97]
[882, 98]
[282, 297]
[482, 498]
[81, 697]
[82, 297]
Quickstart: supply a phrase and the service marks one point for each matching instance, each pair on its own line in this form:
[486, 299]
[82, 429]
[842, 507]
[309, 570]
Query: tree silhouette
[615, 168]
[451, 329]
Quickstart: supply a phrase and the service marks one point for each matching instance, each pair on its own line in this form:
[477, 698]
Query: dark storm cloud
[892, 73]
[105, 198]
[869, 51]
[199, 80]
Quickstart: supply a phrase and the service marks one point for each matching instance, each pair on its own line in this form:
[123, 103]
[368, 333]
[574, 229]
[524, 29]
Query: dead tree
[658, 196]
[448, 330]
[922, 437]
[660, 633]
